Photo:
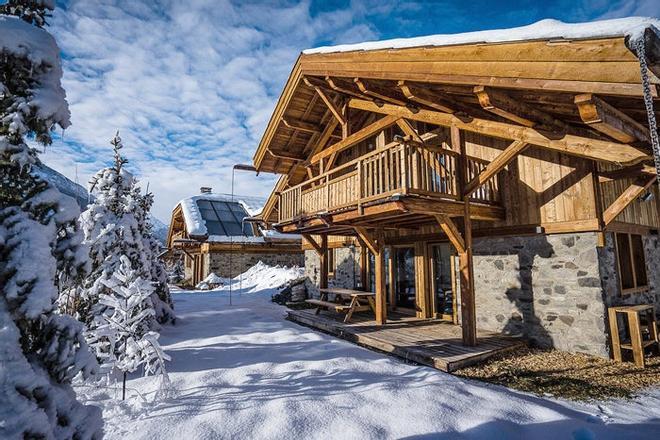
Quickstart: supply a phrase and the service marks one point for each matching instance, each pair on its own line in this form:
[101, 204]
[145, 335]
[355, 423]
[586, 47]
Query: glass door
[443, 281]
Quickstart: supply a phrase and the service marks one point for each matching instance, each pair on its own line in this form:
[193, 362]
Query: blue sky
[191, 84]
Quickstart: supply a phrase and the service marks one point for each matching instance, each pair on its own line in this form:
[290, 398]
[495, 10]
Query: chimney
[206, 190]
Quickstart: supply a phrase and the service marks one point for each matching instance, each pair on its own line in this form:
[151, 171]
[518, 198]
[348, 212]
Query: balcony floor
[434, 343]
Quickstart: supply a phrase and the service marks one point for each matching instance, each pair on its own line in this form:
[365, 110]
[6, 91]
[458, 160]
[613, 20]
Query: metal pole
[231, 239]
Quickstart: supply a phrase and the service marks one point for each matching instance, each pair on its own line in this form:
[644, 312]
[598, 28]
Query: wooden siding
[638, 212]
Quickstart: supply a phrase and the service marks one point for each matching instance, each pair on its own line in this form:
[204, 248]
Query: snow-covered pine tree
[122, 336]
[153, 267]
[108, 230]
[117, 223]
[40, 350]
[32, 11]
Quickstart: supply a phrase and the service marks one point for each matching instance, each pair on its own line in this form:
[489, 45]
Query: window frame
[635, 265]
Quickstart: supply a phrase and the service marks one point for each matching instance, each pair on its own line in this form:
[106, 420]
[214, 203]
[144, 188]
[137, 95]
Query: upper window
[632, 266]
[224, 218]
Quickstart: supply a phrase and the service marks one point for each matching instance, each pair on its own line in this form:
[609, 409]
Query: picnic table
[356, 299]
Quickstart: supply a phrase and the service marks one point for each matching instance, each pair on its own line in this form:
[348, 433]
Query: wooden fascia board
[635, 189]
[280, 107]
[356, 137]
[570, 144]
[170, 230]
[495, 166]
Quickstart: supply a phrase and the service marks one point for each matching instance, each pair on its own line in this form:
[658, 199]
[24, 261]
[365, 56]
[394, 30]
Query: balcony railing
[400, 169]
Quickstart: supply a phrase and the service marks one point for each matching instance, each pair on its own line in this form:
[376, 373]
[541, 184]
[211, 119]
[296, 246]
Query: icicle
[648, 103]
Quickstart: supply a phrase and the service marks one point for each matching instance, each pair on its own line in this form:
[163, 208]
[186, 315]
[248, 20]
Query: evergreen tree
[32, 11]
[117, 223]
[41, 351]
[121, 335]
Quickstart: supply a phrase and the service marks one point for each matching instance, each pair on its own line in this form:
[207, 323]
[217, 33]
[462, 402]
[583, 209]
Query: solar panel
[224, 218]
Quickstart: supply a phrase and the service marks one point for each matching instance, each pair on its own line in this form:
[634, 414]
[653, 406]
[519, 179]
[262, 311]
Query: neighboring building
[504, 180]
[221, 234]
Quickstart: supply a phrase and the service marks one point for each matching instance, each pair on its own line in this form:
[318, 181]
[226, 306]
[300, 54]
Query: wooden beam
[368, 240]
[427, 98]
[323, 257]
[408, 129]
[338, 87]
[466, 268]
[603, 117]
[569, 144]
[282, 155]
[356, 137]
[452, 208]
[380, 273]
[296, 124]
[495, 166]
[331, 105]
[376, 92]
[313, 243]
[627, 172]
[501, 104]
[449, 228]
[636, 189]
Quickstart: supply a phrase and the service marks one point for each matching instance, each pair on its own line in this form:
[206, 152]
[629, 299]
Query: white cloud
[190, 85]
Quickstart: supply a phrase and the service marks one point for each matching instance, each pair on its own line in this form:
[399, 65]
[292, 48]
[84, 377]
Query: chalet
[500, 180]
[220, 233]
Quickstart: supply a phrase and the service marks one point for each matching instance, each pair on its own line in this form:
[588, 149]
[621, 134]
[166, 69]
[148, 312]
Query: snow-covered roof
[542, 30]
[196, 225]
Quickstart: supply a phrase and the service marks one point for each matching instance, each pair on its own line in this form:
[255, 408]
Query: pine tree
[121, 335]
[41, 351]
[32, 11]
[117, 223]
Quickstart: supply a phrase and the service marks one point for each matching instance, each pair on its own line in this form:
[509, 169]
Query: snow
[548, 29]
[243, 371]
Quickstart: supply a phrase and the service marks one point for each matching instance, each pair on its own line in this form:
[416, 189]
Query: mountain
[63, 184]
[160, 230]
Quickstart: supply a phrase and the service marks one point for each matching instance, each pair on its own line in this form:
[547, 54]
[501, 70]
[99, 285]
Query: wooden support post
[390, 277]
[323, 256]
[466, 266]
[495, 166]
[381, 309]
[422, 280]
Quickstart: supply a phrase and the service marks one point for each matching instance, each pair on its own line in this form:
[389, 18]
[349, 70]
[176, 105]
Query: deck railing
[399, 169]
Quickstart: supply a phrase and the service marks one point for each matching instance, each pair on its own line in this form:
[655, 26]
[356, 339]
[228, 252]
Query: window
[632, 266]
[224, 218]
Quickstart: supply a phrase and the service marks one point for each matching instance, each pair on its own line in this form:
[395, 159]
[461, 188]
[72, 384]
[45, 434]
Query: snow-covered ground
[242, 371]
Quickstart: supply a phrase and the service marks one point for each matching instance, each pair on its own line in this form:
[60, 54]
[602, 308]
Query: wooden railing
[399, 169]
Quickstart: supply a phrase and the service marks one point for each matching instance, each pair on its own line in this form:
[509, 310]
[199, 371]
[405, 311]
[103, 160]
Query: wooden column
[422, 280]
[466, 266]
[323, 256]
[381, 309]
[390, 276]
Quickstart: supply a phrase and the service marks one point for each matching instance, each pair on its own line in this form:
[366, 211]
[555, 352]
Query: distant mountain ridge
[79, 193]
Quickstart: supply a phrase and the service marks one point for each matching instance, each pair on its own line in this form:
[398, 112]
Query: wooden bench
[355, 296]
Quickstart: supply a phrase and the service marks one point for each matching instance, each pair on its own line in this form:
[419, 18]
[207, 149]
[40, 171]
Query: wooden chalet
[222, 234]
[502, 179]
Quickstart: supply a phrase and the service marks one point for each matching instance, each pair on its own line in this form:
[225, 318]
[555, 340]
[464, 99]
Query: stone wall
[610, 277]
[226, 264]
[545, 287]
[347, 273]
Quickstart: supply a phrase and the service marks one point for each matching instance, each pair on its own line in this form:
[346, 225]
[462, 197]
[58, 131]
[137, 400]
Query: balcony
[398, 169]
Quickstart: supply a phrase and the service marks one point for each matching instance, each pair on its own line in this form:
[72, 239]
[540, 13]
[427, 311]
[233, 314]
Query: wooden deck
[434, 343]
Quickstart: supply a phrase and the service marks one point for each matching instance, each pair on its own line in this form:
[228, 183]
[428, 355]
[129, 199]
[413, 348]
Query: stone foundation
[231, 264]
